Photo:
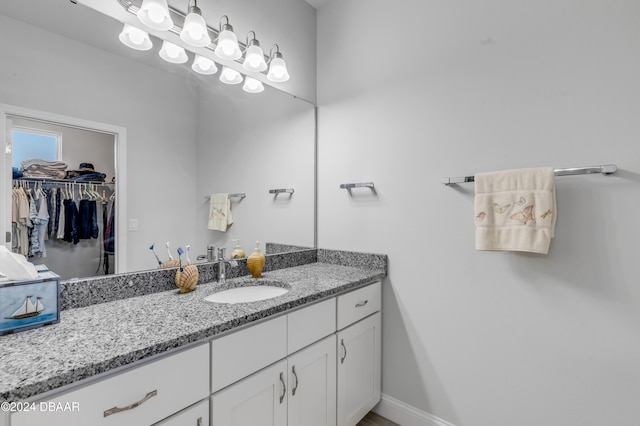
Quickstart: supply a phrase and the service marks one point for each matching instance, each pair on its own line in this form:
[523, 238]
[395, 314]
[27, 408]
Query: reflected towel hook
[349, 186]
[281, 191]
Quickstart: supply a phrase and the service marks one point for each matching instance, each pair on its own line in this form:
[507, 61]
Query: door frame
[120, 144]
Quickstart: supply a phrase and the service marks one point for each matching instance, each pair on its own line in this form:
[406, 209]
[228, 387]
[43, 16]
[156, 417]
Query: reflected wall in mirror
[188, 136]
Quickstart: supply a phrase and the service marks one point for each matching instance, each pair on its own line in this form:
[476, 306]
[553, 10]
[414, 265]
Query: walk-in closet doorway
[61, 188]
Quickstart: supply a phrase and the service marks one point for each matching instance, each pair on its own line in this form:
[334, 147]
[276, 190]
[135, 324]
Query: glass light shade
[195, 29]
[135, 38]
[173, 53]
[155, 14]
[230, 76]
[254, 59]
[203, 65]
[227, 47]
[251, 85]
[278, 69]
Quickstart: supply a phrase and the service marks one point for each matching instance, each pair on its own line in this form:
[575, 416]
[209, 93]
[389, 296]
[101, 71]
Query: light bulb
[230, 76]
[278, 69]
[254, 58]
[173, 53]
[227, 47]
[155, 14]
[204, 65]
[195, 29]
[135, 38]
[251, 85]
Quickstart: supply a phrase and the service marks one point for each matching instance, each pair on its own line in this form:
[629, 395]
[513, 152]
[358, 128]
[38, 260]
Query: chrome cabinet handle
[284, 388]
[115, 410]
[295, 375]
[199, 421]
[361, 304]
[345, 351]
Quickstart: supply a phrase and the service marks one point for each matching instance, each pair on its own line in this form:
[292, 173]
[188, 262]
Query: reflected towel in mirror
[220, 212]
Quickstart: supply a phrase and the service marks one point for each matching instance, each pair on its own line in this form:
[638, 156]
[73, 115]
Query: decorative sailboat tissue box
[29, 304]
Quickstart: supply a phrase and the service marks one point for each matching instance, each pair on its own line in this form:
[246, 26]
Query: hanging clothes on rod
[63, 211]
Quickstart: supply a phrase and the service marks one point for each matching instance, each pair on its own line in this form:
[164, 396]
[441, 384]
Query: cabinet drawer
[310, 324]
[358, 304]
[239, 354]
[165, 387]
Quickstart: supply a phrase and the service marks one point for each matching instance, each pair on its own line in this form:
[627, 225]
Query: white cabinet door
[312, 385]
[196, 415]
[258, 400]
[358, 370]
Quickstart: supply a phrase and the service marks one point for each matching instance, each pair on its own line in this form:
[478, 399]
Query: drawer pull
[361, 304]
[295, 375]
[199, 421]
[284, 388]
[345, 351]
[115, 410]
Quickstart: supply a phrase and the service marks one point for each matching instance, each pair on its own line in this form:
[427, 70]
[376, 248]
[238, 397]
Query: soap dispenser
[255, 262]
[237, 252]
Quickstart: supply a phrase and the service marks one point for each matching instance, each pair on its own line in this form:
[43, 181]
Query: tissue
[15, 266]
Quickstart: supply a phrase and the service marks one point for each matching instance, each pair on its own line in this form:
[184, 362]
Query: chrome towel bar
[240, 195]
[607, 169]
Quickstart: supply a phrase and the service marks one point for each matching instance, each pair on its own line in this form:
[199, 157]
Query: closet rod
[47, 180]
[607, 169]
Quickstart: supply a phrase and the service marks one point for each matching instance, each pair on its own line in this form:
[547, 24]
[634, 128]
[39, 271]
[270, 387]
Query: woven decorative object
[187, 279]
[169, 264]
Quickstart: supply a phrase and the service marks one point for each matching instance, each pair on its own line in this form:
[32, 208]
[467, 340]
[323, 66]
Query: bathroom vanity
[308, 357]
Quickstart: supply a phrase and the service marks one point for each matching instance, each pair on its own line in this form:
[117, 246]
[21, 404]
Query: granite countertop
[98, 338]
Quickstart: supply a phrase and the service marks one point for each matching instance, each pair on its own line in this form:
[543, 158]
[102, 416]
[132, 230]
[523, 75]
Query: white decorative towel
[220, 212]
[515, 210]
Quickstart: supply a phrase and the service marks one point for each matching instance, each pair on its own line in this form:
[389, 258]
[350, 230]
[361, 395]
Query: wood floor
[372, 419]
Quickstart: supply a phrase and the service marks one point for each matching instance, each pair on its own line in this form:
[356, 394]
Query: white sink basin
[252, 293]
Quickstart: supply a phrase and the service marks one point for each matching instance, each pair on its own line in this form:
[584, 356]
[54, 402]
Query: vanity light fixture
[251, 85]
[135, 38]
[230, 76]
[277, 66]
[254, 56]
[214, 44]
[155, 14]
[173, 53]
[195, 30]
[227, 43]
[203, 65]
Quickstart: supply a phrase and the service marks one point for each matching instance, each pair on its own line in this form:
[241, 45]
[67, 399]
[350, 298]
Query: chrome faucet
[222, 264]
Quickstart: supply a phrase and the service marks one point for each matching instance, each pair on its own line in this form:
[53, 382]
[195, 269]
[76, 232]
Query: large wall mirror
[179, 136]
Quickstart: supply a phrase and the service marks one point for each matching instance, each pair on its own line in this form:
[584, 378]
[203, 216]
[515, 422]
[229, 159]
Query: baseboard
[406, 415]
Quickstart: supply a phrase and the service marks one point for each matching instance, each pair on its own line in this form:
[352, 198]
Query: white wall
[481, 338]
